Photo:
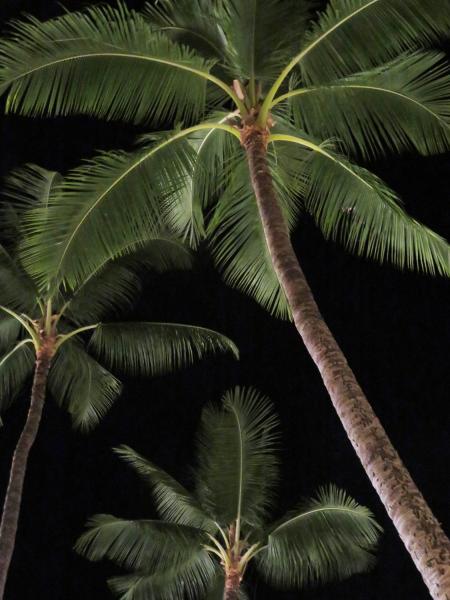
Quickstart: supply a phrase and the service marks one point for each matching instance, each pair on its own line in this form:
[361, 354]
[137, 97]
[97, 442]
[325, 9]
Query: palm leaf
[403, 104]
[17, 290]
[116, 283]
[9, 331]
[237, 467]
[173, 502]
[16, 366]
[81, 385]
[105, 62]
[105, 206]
[156, 348]
[326, 538]
[354, 206]
[337, 45]
[237, 239]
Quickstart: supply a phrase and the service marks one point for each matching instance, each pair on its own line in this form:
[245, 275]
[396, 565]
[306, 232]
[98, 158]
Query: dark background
[393, 327]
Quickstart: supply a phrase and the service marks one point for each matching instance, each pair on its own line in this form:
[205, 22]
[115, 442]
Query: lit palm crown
[223, 525]
[354, 80]
[69, 321]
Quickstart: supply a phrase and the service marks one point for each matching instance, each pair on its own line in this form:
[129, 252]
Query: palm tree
[58, 335]
[204, 541]
[270, 102]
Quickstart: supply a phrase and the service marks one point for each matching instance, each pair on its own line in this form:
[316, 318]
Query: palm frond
[402, 105]
[237, 239]
[173, 502]
[355, 35]
[9, 331]
[105, 62]
[17, 290]
[81, 385]
[237, 465]
[169, 559]
[116, 283]
[326, 538]
[352, 205]
[156, 348]
[106, 205]
[16, 366]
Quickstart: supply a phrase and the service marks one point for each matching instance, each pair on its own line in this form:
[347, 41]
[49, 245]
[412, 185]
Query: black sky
[393, 328]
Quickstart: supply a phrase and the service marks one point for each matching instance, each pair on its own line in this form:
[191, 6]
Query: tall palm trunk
[13, 498]
[232, 584]
[418, 528]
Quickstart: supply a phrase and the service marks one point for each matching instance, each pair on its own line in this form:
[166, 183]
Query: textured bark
[419, 530]
[13, 498]
[232, 584]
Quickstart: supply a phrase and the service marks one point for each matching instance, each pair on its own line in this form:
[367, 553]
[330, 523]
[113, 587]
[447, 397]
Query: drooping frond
[81, 385]
[9, 330]
[105, 206]
[156, 348]
[262, 36]
[402, 105]
[189, 22]
[169, 559]
[17, 291]
[16, 366]
[30, 186]
[237, 465]
[116, 284]
[105, 62]
[326, 538]
[355, 35]
[237, 237]
[173, 502]
[352, 205]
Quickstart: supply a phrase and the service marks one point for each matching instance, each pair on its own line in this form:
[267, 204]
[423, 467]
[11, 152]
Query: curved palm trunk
[11, 507]
[418, 528]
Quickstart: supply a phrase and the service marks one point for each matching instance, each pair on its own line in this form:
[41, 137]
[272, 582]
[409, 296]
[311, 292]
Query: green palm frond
[355, 35]
[189, 22]
[403, 104]
[237, 239]
[169, 559]
[105, 62]
[106, 205]
[30, 186]
[237, 465]
[352, 205]
[116, 284]
[81, 385]
[328, 537]
[9, 330]
[156, 348]
[16, 366]
[173, 502]
[17, 290]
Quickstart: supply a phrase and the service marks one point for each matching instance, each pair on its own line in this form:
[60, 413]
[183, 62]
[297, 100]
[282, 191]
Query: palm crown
[352, 80]
[207, 538]
[45, 312]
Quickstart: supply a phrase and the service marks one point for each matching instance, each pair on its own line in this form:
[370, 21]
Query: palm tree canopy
[86, 346]
[329, 92]
[330, 536]
[324, 92]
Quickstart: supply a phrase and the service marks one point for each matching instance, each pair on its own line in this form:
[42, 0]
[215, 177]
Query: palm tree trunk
[232, 584]
[13, 498]
[419, 530]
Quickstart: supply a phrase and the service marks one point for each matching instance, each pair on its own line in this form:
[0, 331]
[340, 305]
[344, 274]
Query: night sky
[393, 327]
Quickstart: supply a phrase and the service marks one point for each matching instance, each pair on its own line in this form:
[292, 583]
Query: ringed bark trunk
[418, 529]
[13, 498]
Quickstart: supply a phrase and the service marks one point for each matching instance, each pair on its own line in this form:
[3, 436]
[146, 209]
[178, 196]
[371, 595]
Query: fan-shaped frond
[104, 61]
[354, 206]
[401, 105]
[156, 348]
[237, 466]
[173, 502]
[169, 559]
[115, 284]
[106, 205]
[81, 385]
[237, 237]
[16, 366]
[354, 35]
[328, 537]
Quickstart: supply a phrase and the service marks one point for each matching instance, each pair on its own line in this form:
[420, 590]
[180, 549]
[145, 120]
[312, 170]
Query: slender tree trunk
[232, 584]
[419, 530]
[13, 498]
